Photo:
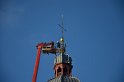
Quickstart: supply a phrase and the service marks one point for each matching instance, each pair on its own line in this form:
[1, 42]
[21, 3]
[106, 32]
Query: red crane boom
[39, 47]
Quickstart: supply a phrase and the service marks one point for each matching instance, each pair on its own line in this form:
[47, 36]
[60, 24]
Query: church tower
[63, 65]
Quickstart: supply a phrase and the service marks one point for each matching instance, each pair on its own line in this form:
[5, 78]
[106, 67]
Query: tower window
[65, 70]
[59, 70]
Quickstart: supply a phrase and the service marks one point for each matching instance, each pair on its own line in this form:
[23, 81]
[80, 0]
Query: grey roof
[64, 79]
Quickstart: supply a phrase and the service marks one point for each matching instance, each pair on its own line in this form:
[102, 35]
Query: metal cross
[62, 27]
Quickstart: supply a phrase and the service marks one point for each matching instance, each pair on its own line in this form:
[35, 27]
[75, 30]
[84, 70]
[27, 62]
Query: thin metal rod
[62, 26]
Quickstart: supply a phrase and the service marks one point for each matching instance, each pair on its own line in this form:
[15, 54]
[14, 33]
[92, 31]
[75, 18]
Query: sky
[94, 38]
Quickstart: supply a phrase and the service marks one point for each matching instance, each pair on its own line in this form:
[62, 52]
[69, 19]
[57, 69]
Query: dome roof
[64, 79]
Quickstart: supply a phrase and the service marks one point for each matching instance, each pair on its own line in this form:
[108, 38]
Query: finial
[62, 39]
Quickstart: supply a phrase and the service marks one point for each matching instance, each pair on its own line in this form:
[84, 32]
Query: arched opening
[59, 70]
[55, 72]
[70, 71]
[65, 70]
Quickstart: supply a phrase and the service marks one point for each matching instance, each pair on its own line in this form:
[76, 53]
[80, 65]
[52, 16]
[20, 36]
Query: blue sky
[94, 38]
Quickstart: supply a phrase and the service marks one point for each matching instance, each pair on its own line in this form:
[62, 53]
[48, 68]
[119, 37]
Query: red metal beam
[39, 47]
[37, 62]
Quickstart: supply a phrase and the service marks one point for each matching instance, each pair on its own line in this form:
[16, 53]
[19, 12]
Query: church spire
[62, 62]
